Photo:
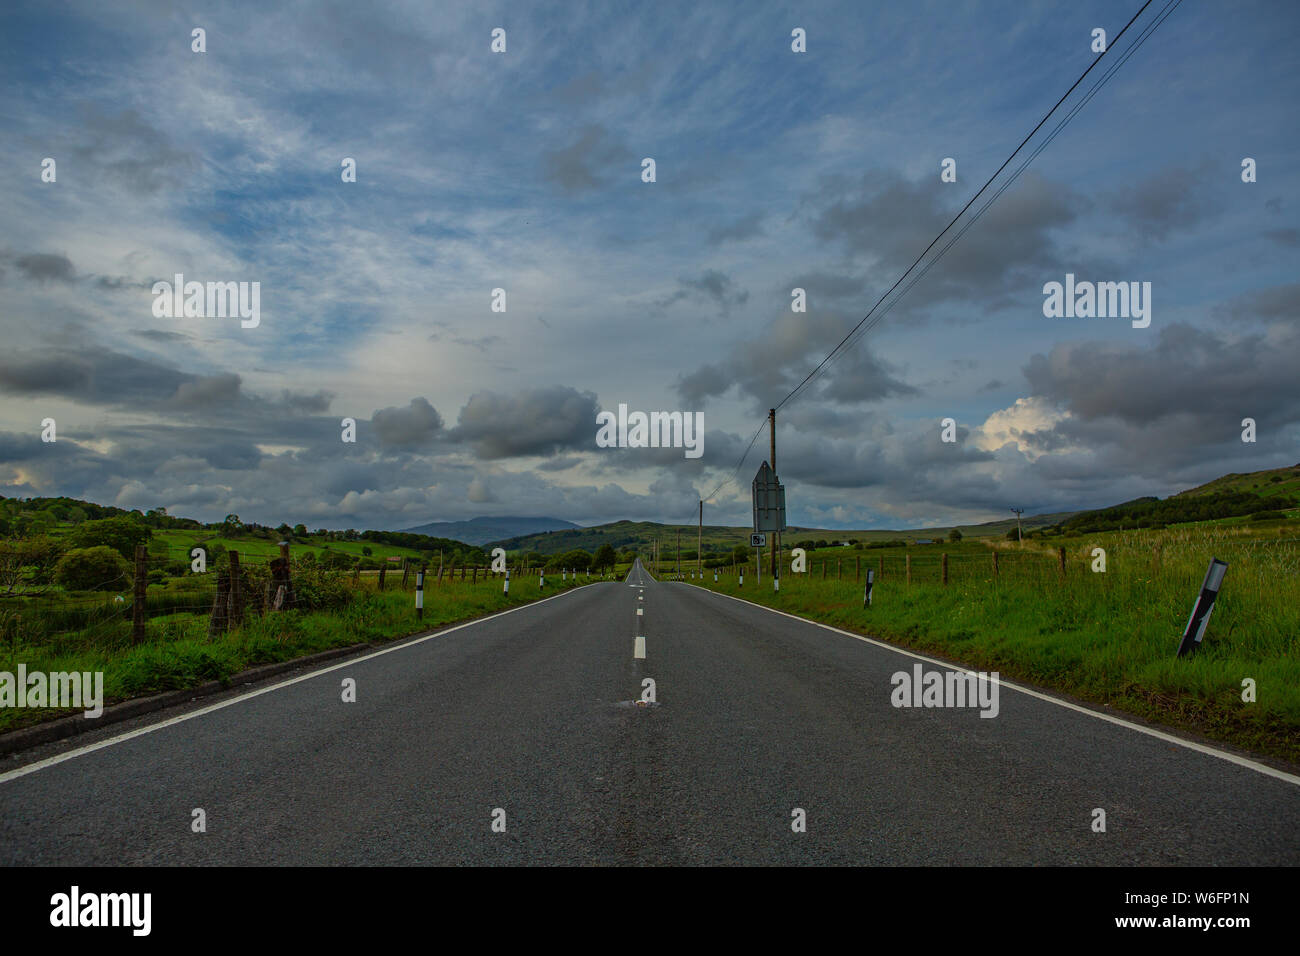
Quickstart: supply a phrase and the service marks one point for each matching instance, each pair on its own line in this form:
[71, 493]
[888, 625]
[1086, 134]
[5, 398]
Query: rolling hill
[479, 531]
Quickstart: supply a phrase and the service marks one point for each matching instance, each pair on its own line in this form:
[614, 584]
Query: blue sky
[522, 171]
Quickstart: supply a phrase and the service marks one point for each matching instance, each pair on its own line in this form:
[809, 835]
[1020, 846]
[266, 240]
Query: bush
[1268, 516]
[120, 534]
[318, 589]
[92, 569]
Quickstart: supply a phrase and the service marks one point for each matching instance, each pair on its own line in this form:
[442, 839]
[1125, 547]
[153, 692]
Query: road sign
[758, 541]
[1195, 629]
[769, 500]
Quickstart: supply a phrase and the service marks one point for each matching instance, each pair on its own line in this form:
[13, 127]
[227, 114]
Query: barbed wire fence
[162, 592]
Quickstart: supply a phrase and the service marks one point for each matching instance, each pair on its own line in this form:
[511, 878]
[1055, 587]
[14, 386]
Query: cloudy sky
[522, 170]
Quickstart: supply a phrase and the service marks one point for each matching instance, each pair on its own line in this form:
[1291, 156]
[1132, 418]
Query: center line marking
[638, 650]
[640, 611]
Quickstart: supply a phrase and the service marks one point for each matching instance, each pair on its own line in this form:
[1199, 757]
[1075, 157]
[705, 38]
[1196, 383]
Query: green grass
[176, 652]
[1105, 637]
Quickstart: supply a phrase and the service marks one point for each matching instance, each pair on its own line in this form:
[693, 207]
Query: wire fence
[235, 587]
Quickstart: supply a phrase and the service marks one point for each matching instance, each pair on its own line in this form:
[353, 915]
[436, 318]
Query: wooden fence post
[943, 565]
[995, 565]
[839, 569]
[473, 578]
[823, 569]
[220, 605]
[383, 572]
[280, 578]
[140, 585]
[406, 571]
[1061, 554]
[236, 592]
[880, 573]
[909, 570]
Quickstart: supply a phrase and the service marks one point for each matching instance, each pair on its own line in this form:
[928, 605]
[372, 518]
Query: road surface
[529, 720]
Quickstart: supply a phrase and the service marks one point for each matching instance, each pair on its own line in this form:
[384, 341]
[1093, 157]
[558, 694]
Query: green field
[93, 633]
[1108, 637]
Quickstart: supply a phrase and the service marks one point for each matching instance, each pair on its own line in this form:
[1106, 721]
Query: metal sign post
[419, 595]
[1195, 629]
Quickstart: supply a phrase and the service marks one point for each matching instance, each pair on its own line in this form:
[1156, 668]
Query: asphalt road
[533, 712]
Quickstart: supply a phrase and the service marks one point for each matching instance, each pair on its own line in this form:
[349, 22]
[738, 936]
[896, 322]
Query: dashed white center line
[640, 611]
[638, 650]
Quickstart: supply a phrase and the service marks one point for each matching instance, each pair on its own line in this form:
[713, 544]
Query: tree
[40, 523]
[92, 569]
[954, 535]
[604, 558]
[24, 564]
[231, 524]
[120, 534]
[739, 554]
[366, 551]
[300, 531]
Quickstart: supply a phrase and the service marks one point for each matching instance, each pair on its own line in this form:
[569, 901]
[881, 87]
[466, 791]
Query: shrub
[92, 569]
[120, 534]
[318, 589]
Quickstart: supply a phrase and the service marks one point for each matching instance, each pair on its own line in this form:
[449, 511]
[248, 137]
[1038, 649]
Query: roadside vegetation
[1109, 637]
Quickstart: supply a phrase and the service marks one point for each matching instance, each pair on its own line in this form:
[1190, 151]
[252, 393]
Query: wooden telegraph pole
[771, 431]
[699, 544]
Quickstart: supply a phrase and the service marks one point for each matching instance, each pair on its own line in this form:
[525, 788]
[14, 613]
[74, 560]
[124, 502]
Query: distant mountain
[478, 531]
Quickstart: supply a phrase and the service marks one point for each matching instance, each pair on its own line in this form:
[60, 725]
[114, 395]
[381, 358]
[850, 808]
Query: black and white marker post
[506, 590]
[866, 590]
[419, 594]
[1204, 605]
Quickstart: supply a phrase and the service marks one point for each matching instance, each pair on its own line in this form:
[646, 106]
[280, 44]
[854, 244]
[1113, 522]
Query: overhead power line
[867, 322]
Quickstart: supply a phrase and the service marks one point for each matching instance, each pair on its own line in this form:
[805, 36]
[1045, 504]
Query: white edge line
[180, 718]
[1150, 732]
[638, 648]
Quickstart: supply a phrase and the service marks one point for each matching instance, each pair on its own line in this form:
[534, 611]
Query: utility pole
[1019, 512]
[771, 431]
[699, 543]
[679, 552]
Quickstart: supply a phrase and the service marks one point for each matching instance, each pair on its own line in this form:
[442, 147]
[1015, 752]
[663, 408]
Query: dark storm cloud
[126, 149]
[1187, 372]
[768, 365]
[888, 221]
[46, 267]
[1172, 199]
[1269, 304]
[90, 376]
[540, 421]
[207, 390]
[411, 427]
